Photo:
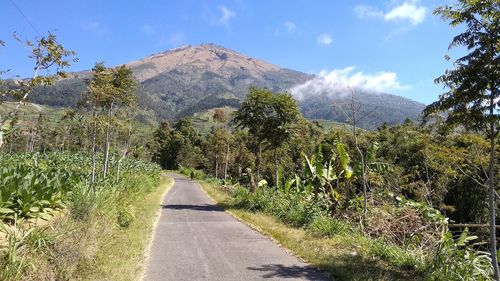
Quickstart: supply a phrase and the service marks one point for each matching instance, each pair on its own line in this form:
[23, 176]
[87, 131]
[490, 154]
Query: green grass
[343, 255]
[101, 233]
[123, 257]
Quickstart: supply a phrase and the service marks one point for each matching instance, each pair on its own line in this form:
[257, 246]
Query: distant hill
[374, 109]
[194, 79]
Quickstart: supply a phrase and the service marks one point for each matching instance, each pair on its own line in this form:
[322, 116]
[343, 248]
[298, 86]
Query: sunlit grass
[123, 258]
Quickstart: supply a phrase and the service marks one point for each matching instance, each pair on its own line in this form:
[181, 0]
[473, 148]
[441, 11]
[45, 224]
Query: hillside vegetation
[192, 79]
[395, 194]
[399, 190]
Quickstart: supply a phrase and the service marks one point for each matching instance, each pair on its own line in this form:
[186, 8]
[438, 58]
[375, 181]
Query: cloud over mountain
[340, 82]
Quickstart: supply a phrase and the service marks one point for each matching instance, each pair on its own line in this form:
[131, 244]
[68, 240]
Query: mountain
[192, 79]
[373, 109]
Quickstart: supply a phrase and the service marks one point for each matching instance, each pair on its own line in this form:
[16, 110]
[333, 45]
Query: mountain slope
[191, 79]
[373, 109]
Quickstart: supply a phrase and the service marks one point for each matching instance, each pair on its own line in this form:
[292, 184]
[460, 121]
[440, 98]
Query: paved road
[196, 240]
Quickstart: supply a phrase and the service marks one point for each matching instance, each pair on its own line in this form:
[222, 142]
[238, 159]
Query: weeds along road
[196, 240]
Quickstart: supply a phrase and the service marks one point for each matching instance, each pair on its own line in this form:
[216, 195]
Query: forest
[419, 197]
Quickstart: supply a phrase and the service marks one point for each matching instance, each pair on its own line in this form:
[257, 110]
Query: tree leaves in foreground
[473, 97]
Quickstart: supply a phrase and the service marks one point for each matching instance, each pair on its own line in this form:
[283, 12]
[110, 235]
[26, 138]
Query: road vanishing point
[197, 240]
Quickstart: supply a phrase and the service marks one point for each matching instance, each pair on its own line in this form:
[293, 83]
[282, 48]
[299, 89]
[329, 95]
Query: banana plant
[322, 174]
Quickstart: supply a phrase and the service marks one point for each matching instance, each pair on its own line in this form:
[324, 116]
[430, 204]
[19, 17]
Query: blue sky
[395, 46]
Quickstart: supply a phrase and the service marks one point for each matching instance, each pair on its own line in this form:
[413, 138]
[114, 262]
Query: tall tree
[109, 89]
[97, 86]
[47, 54]
[269, 118]
[220, 117]
[473, 97]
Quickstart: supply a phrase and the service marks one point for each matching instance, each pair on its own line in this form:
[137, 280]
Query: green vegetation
[116, 262]
[74, 207]
[396, 192]
[393, 191]
[473, 98]
[57, 225]
[340, 248]
[360, 204]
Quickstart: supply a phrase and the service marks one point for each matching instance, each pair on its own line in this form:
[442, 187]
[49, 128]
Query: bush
[125, 217]
[85, 198]
[458, 260]
[326, 226]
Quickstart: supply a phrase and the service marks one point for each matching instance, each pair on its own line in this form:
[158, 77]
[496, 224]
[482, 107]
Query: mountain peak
[211, 57]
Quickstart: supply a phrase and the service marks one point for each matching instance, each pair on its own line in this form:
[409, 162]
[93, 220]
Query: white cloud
[339, 82]
[146, 28]
[225, 17]
[290, 26]
[366, 12]
[408, 11]
[324, 39]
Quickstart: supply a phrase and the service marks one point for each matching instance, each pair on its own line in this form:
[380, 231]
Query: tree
[47, 54]
[220, 117]
[179, 145]
[161, 139]
[269, 118]
[473, 97]
[356, 115]
[109, 89]
[99, 83]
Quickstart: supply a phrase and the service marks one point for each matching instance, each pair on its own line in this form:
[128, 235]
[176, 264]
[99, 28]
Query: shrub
[125, 217]
[458, 260]
[326, 226]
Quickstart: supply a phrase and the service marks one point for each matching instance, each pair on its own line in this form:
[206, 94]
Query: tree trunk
[125, 151]
[106, 144]
[94, 132]
[1, 132]
[227, 160]
[259, 158]
[216, 166]
[276, 167]
[491, 190]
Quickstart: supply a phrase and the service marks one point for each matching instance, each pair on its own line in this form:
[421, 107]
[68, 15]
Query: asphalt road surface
[196, 240]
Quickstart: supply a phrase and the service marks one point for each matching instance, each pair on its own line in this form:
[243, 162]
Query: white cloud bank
[409, 11]
[324, 39]
[340, 82]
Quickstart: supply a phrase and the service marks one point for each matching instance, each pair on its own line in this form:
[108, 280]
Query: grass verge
[123, 257]
[102, 234]
[345, 256]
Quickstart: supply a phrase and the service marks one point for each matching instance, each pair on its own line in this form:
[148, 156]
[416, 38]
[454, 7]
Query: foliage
[36, 185]
[474, 81]
[47, 54]
[325, 226]
[458, 260]
[473, 97]
[267, 116]
[87, 213]
[178, 146]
